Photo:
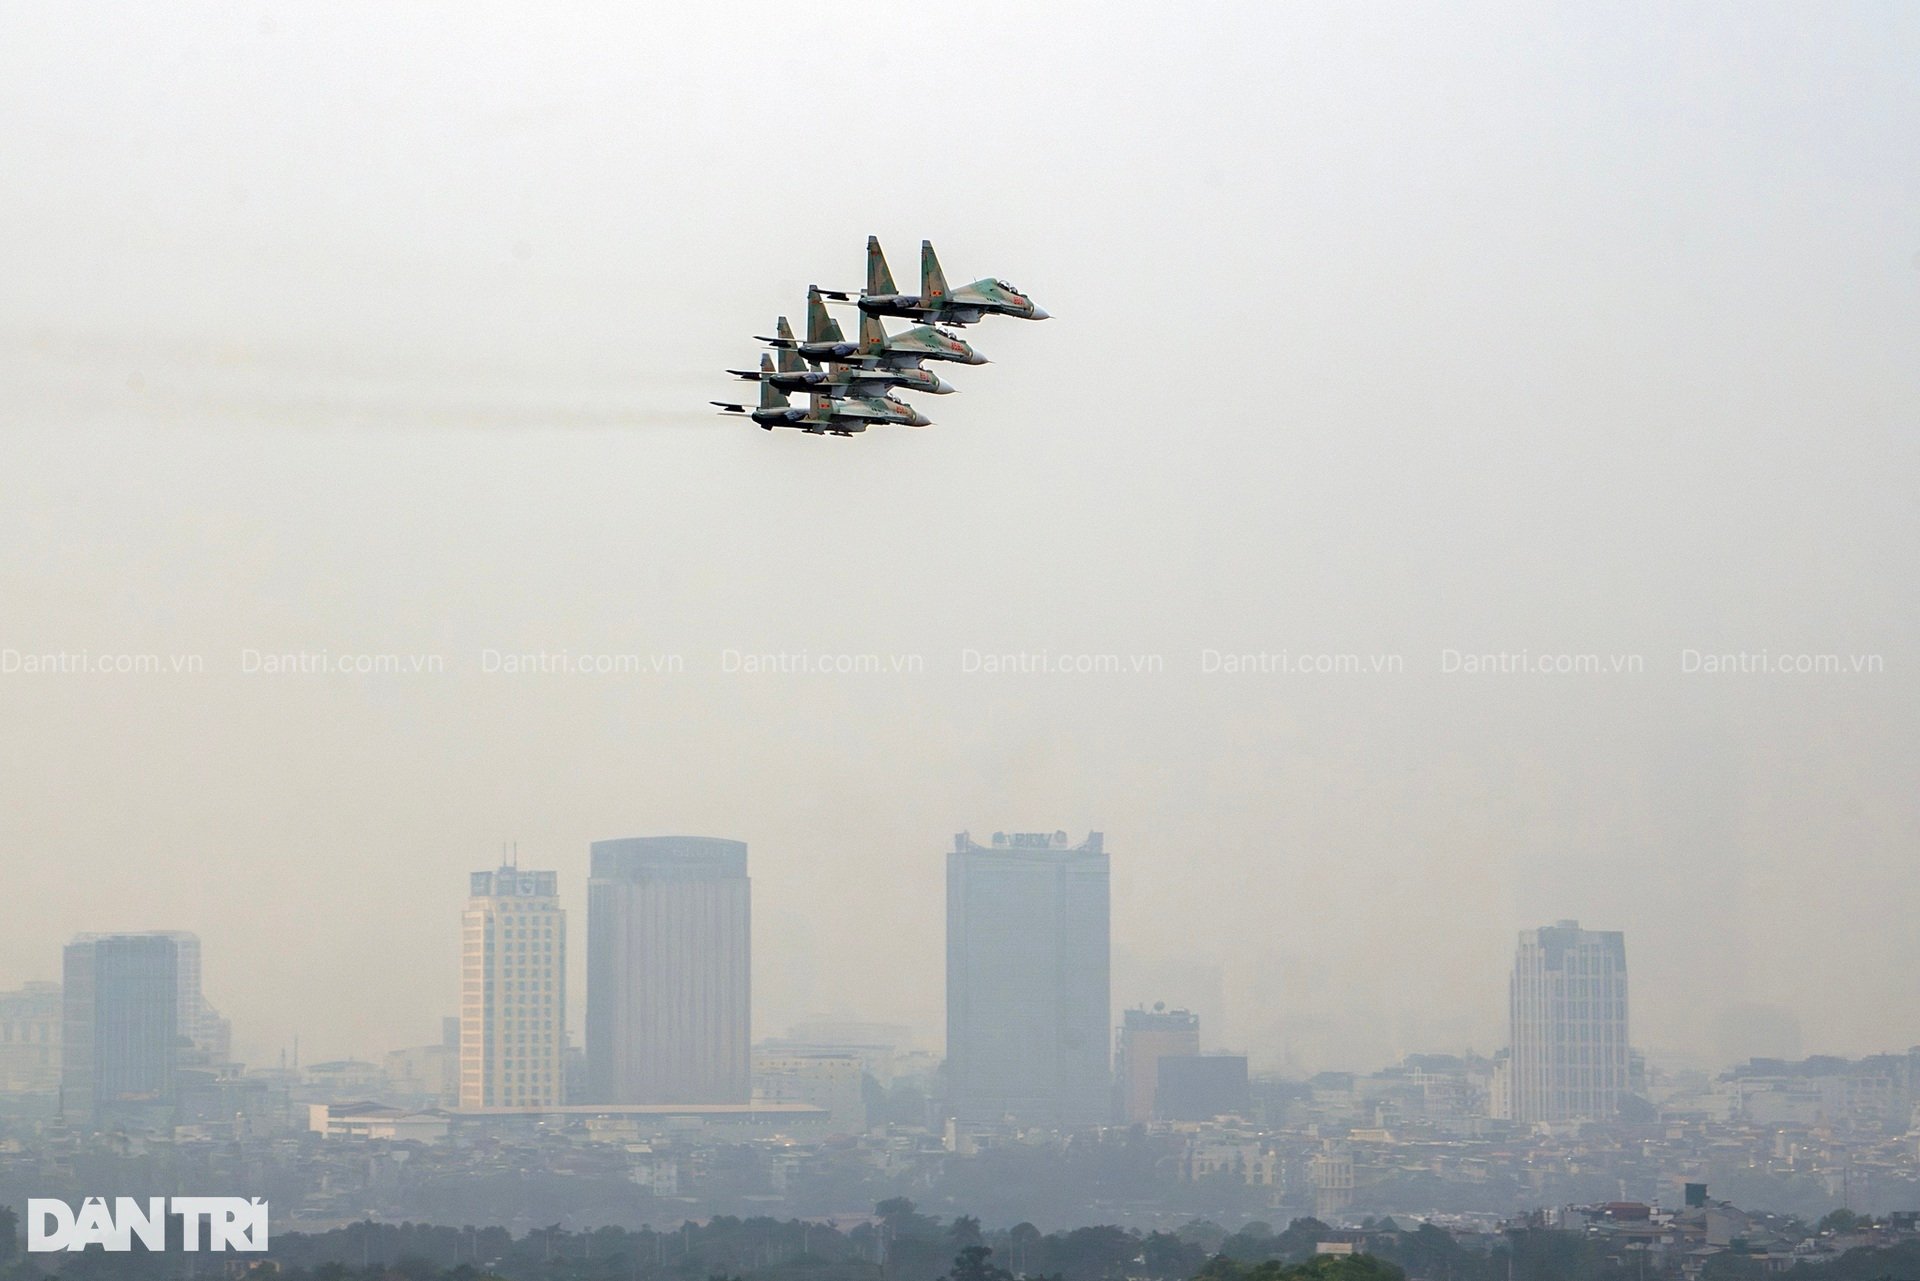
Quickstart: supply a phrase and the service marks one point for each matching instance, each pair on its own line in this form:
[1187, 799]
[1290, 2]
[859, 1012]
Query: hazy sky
[1395, 332]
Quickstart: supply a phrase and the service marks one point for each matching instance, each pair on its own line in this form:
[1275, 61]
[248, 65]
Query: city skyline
[1566, 1057]
[1776, 1028]
[835, 1105]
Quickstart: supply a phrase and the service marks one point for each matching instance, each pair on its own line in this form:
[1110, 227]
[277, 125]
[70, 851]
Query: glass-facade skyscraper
[1028, 979]
[669, 992]
[1569, 1056]
[120, 1027]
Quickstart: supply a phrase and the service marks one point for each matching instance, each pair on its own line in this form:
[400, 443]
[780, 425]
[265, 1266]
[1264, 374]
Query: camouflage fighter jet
[877, 349]
[871, 369]
[824, 415]
[936, 303]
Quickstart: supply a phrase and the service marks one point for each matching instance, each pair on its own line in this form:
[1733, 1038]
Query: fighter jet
[863, 374]
[843, 381]
[877, 349]
[824, 415]
[936, 303]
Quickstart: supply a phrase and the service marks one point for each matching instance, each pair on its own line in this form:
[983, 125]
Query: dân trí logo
[223, 1222]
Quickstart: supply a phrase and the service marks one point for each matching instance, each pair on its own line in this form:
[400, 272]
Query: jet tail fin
[821, 327]
[879, 279]
[771, 397]
[790, 361]
[873, 335]
[933, 281]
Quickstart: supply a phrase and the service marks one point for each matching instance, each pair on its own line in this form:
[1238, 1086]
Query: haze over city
[1419, 340]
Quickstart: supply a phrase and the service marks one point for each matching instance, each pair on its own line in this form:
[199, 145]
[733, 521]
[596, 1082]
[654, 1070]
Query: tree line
[899, 1243]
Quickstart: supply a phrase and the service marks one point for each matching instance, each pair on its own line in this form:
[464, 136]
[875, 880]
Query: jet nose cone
[920, 420]
[975, 358]
[941, 386]
[1041, 313]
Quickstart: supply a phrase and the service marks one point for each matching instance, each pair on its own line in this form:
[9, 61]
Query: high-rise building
[513, 991]
[669, 1015]
[823, 1079]
[1028, 993]
[1146, 1036]
[209, 1035]
[30, 1039]
[426, 1075]
[1569, 1058]
[1200, 1087]
[120, 1028]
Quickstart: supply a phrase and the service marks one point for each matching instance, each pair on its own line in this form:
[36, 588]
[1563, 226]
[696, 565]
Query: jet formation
[850, 386]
